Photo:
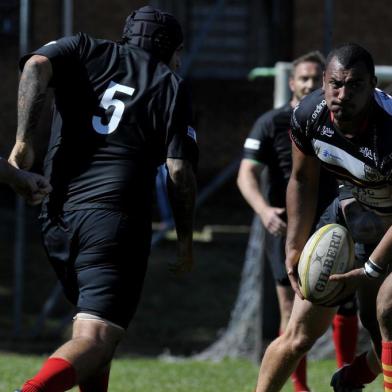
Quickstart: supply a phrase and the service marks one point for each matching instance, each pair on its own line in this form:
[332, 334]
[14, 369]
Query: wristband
[372, 270]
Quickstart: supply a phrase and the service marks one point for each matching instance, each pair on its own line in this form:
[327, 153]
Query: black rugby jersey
[364, 163]
[269, 143]
[119, 114]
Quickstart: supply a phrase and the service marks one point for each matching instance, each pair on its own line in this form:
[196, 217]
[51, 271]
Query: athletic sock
[358, 372]
[56, 375]
[99, 384]
[386, 359]
[298, 377]
[345, 332]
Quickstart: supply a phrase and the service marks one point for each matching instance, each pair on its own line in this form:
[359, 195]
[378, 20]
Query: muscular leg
[307, 323]
[91, 348]
[286, 302]
[384, 309]
[365, 367]
[367, 296]
[99, 382]
[384, 316]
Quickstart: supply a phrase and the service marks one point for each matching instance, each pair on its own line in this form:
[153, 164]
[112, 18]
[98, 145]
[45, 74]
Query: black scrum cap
[153, 30]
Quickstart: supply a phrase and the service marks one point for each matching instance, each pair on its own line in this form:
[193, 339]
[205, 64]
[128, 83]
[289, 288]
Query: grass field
[146, 375]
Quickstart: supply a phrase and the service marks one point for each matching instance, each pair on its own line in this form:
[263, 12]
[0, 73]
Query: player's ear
[291, 84]
[323, 80]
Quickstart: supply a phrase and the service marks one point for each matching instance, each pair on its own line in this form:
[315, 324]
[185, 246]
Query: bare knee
[384, 315]
[97, 335]
[298, 342]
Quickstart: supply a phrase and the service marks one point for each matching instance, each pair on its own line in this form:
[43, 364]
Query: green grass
[146, 375]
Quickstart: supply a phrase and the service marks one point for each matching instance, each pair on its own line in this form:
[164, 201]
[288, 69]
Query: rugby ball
[330, 250]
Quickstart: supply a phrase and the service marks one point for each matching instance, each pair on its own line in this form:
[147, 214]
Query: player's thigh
[57, 237]
[309, 321]
[384, 308]
[111, 265]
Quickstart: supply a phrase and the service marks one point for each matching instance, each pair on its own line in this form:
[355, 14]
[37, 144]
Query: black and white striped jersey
[363, 163]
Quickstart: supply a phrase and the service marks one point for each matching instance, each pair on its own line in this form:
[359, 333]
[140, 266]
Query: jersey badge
[326, 131]
[252, 144]
[367, 153]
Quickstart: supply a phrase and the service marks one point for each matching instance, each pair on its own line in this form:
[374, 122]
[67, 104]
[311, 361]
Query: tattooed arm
[33, 87]
[181, 185]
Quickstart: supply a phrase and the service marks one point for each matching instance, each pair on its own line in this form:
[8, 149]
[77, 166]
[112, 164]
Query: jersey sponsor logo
[191, 133]
[318, 109]
[252, 144]
[367, 153]
[326, 131]
[334, 155]
[330, 155]
[51, 43]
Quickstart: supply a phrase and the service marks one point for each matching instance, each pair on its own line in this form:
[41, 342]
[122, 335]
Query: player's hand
[22, 155]
[184, 262]
[352, 279]
[292, 259]
[272, 221]
[33, 187]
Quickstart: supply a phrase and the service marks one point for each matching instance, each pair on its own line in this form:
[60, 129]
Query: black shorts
[275, 255]
[100, 257]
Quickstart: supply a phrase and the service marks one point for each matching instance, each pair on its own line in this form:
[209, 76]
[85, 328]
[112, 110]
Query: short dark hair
[349, 54]
[312, 57]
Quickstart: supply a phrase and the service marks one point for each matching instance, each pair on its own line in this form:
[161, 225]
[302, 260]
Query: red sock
[358, 372]
[345, 333]
[298, 378]
[56, 375]
[98, 384]
[386, 359]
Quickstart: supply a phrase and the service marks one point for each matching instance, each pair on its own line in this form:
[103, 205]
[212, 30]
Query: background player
[269, 146]
[346, 128]
[121, 112]
[31, 186]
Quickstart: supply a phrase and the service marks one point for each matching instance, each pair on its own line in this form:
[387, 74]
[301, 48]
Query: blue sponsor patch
[192, 133]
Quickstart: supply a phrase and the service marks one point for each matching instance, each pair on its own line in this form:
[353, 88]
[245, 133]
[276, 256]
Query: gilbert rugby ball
[330, 250]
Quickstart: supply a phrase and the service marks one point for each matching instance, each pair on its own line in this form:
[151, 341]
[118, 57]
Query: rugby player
[268, 146]
[121, 110]
[344, 127]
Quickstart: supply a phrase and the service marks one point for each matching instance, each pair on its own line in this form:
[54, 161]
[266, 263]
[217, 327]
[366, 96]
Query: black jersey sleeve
[298, 130]
[180, 135]
[62, 53]
[258, 144]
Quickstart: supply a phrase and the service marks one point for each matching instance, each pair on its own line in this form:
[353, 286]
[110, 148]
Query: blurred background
[224, 42]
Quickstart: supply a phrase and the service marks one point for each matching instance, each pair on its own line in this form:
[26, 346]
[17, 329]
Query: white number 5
[106, 102]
